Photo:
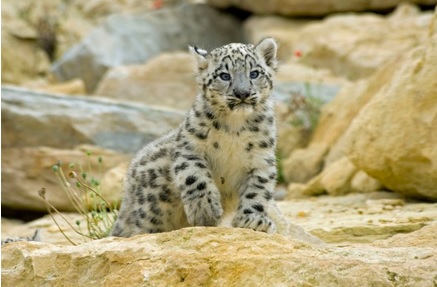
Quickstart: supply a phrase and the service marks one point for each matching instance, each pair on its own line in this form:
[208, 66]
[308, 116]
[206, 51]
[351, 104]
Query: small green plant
[45, 19]
[306, 107]
[85, 195]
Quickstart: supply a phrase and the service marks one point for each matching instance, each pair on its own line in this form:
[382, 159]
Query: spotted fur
[220, 162]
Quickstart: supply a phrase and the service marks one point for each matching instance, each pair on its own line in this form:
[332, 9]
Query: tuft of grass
[306, 108]
[85, 195]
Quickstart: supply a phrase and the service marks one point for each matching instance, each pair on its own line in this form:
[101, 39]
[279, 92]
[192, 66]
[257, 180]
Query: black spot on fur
[216, 145]
[192, 157]
[216, 125]
[247, 211]
[209, 115]
[200, 165]
[268, 195]
[190, 180]
[161, 153]
[151, 198]
[251, 195]
[141, 213]
[258, 186]
[180, 167]
[201, 186]
[152, 178]
[262, 179]
[155, 221]
[249, 147]
[263, 144]
[165, 195]
[202, 136]
[258, 207]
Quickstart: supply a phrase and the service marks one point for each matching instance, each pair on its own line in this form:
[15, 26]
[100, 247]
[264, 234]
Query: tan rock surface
[394, 137]
[361, 218]
[353, 46]
[26, 170]
[166, 80]
[303, 164]
[214, 257]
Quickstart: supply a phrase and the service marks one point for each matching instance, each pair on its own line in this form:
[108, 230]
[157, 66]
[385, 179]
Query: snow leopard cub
[220, 162]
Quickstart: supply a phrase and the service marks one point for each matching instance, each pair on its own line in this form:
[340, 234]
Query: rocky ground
[357, 114]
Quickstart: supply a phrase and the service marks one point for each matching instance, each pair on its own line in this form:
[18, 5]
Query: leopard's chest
[230, 159]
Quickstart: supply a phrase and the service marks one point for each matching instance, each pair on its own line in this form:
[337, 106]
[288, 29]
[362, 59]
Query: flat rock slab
[31, 119]
[214, 257]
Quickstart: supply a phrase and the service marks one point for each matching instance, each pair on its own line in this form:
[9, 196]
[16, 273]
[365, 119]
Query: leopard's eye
[254, 74]
[225, 76]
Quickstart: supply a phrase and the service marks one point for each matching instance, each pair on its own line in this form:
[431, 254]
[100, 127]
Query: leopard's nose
[241, 94]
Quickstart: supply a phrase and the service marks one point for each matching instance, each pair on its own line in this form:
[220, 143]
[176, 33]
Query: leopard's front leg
[199, 194]
[255, 196]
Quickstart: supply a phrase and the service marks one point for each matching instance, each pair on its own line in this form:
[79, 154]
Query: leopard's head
[237, 77]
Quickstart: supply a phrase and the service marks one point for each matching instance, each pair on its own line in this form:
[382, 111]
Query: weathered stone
[133, 39]
[26, 170]
[359, 218]
[303, 164]
[31, 119]
[349, 45]
[394, 138]
[73, 87]
[167, 80]
[313, 8]
[362, 182]
[334, 180]
[214, 256]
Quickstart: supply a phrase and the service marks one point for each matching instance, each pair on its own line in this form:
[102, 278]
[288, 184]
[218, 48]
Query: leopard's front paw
[204, 211]
[255, 221]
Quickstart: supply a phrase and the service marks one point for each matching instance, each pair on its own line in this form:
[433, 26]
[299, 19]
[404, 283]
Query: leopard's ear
[200, 55]
[267, 49]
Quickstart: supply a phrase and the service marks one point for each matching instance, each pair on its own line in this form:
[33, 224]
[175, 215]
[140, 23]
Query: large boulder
[385, 125]
[353, 46]
[166, 80]
[394, 137]
[215, 257]
[313, 8]
[31, 119]
[132, 39]
[26, 170]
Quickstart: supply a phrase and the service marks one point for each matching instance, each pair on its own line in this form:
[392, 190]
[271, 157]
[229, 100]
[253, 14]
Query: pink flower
[157, 4]
[298, 53]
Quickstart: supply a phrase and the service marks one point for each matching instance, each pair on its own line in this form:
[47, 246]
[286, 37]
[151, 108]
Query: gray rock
[130, 39]
[31, 119]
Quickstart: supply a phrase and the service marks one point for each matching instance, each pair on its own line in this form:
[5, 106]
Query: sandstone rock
[359, 218]
[393, 139]
[303, 164]
[26, 170]
[214, 256]
[362, 182]
[349, 45]
[305, 8]
[348, 219]
[166, 80]
[133, 39]
[17, 69]
[335, 180]
[73, 87]
[112, 182]
[31, 119]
